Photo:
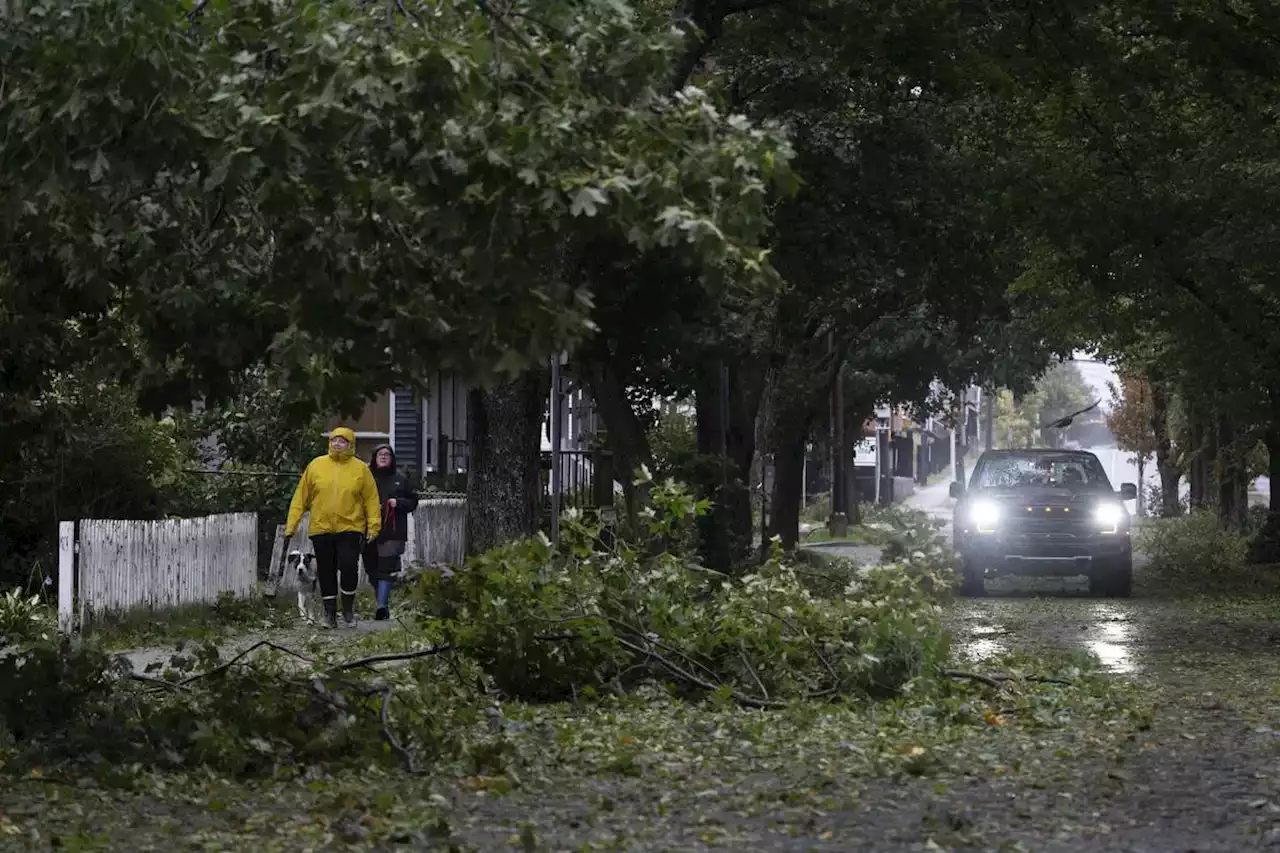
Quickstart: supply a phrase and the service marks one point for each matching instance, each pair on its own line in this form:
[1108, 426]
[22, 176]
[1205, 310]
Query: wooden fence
[437, 537]
[123, 565]
[438, 532]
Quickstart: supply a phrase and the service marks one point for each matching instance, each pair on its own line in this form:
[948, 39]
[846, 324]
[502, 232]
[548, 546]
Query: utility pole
[838, 525]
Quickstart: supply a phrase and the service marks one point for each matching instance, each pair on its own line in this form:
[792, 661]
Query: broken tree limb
[998, 679]
[391, 657]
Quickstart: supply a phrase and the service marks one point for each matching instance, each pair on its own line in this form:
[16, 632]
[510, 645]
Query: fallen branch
[261, 644]
[172, 686]
[812, 644]
[413, 16]
[680, 672]
[742, 650]
[390, 657]
[997, 680]
[641, 635]
[390, 736]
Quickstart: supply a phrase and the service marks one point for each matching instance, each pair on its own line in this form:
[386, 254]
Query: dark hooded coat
[392, 484]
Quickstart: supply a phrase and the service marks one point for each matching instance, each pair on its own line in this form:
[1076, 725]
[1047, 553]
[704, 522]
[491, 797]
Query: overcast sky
[1097, 376]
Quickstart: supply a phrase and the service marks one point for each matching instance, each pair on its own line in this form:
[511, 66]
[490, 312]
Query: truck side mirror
[956, 489]
[1128, 492]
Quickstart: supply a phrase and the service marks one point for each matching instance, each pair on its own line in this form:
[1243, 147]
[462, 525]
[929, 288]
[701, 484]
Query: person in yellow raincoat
[340, 493]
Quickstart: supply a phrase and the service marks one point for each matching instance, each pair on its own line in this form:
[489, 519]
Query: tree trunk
[504, 496]
[1170, 476]
[1266, 546]
[624, 433]
[1273, 458]
[726, 439]
[786, 501]
[1203, 461]
[1142, 486]
[1231, 509]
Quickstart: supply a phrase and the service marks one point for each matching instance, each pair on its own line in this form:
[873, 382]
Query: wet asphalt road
[1034, 614]
[1037, 613]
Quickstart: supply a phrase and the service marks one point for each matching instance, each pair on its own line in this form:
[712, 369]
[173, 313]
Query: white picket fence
[437, 536]
[125, 565]
[438, 532]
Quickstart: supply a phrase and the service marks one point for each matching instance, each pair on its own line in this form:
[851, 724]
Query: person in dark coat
[382, 554]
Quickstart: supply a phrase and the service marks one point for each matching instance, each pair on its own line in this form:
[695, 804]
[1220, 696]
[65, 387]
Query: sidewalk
[935, 499]
[301, 637]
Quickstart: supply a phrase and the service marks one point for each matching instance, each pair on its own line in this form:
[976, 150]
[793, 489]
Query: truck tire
[1113, 580]
[973, 579]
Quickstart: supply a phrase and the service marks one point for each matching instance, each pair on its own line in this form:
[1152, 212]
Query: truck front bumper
[1046, 556]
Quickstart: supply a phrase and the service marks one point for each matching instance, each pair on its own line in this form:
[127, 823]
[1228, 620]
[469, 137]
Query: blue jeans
[384, 594]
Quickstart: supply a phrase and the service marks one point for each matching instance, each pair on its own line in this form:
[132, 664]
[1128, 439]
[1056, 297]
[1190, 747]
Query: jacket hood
[350, 436]
[373, 458]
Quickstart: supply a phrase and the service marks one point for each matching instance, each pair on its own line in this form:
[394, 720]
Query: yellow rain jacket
[340, 493]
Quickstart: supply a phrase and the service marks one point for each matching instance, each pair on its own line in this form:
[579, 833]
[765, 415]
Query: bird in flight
[1065, 421]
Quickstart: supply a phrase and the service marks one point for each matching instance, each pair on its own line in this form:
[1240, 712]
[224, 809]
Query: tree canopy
[355, 194]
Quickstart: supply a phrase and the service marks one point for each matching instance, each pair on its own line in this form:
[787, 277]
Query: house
[428, 432]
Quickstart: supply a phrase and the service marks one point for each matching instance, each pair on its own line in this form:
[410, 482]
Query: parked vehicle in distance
[1048, 513]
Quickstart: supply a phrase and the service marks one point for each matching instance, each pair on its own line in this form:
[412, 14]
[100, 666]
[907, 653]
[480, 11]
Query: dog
[308, 584]
[298, 570]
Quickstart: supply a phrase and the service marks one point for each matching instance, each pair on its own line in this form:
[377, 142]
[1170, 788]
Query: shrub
[1194, 553]
[1155, 503]
[81, 449]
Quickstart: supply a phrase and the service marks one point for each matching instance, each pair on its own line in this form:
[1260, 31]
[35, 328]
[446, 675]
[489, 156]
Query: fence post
[66, 575]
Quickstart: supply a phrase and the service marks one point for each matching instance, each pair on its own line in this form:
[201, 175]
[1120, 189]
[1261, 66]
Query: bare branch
[387, 658]
[680, 672]
[390, 736]
[261, 644]
[997, 680]
[742, 650]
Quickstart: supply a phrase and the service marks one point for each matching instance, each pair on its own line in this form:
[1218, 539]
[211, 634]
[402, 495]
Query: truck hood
[1046, 496]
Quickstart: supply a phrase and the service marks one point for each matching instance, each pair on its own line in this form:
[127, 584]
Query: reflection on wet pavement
[1113, 639]
[984, 629]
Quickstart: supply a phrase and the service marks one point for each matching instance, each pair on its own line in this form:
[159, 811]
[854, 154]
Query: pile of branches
[545, 624]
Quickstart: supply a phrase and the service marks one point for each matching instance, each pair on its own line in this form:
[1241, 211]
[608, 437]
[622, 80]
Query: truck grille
[1049, 521]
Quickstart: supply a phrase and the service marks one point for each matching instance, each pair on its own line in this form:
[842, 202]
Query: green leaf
[587, 201]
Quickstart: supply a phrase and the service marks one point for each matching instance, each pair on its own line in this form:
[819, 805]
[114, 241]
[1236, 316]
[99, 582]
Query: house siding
[407, 431]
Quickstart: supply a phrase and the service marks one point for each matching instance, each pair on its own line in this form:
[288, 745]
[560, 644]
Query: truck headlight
[985, 515]
[1109, 517]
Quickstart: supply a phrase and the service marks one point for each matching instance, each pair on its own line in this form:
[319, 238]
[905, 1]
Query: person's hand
[288, 534]
[391, 502]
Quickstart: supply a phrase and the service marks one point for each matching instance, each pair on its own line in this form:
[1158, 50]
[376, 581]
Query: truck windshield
[1080, 471]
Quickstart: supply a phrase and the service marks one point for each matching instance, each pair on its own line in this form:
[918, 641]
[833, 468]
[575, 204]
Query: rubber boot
[349, 609]
[330, 613]
[384, 601]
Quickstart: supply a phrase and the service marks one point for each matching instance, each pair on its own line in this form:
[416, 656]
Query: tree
[1022, 421]
[1061, 391]
[359, 198]
[1130, 420]
[889, 247]
[1140, 125]
[1014, 428]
